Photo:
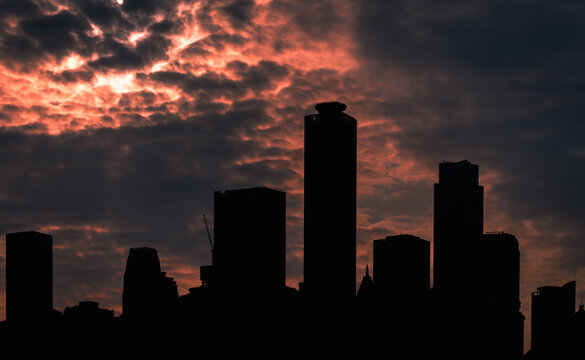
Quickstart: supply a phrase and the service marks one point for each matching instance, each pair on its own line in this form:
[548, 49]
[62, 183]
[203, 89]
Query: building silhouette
[250, 241]
[148, 293]
[497, 272]
[472, 311]
[87, 317]
[458, 225]
[553, 311]
[29, 278]
[330, 203]
[366, 290]
[402, 269]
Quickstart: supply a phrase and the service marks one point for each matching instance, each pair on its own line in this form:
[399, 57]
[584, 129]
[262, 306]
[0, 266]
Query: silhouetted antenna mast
[210, 238]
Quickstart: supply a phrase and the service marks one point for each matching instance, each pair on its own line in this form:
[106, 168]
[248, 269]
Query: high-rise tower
[458, 224]
[330, 203]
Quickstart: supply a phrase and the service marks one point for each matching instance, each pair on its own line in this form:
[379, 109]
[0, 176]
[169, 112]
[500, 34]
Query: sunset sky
[118, 120]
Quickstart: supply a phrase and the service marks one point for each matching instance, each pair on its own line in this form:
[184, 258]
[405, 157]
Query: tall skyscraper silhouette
[458, 224]
[29, 278]
[148, 293]
[402, 268]
[330, 203]
[250, 240]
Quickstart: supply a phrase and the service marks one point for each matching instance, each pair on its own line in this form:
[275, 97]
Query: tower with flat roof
[458, 224]
[250, 240]
[330, 203]
[29, 277]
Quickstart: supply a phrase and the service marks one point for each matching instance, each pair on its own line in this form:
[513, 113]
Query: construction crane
[207, 271]
[209, 237]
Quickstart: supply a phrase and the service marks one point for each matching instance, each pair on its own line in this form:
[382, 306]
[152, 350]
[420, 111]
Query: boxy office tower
[458, 225]
[250, 241]
[29, 277]
[330, 203]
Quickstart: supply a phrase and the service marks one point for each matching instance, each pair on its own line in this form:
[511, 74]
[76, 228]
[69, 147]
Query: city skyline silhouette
[479, 274]
[120, 119]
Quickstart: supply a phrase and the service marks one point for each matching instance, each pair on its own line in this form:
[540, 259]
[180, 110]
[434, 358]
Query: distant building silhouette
[458, 225]
[330, 203]
[553, 310]
[87, 317]
[497, 272]
[402, 268]
[148, 293]
[498, 257]
[29, 278]
[250, 241]
[366, 289]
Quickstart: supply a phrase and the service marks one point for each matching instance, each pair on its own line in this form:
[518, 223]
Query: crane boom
[209, 236]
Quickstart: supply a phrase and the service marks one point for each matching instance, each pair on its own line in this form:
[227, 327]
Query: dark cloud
[167, 26]
[18, 8]
[319, 20]
[38, 37]
[258, 77]
[106, 15]
[239, 12]
[56, 34]
[149, 7]
[72, 76]
[124, 57]
[210, 85]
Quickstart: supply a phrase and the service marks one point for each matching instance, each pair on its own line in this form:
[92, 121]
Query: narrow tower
[458, 225]
[330, 203]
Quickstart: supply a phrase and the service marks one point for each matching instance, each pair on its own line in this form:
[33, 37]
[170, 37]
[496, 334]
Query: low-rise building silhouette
[402, 269]
[148, 293]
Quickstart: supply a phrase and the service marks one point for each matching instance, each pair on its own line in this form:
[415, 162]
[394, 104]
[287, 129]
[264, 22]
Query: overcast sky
[118, 120]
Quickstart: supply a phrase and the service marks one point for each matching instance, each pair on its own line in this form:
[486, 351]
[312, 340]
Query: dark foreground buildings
[330, 203]
[243, 305]
[148, 293]
[402, 269]
[553, 311]
[250, 241]
[458, 224]
[29, 278]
